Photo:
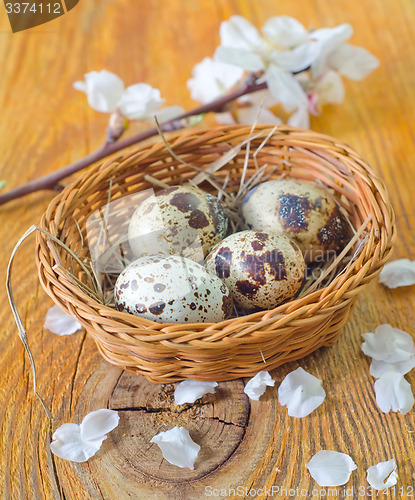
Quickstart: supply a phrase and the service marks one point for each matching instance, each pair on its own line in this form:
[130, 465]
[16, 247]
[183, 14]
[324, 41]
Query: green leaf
[2, 184]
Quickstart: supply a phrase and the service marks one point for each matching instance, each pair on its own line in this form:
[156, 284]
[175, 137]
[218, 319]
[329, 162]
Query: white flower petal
[400, 272]
[256, 114]
[239, 57]
[79, 85]
[259, 98]
[379, 368]
[225, 118]
[353, 62]
[301, 392]
[177, 447]
[394, 393]
[300, 117]
[297, 59]
[331, 38]
[60, 323]
[239, 33]
[285, 31]
[212, 79]
[80, 442]
[189, 391]
[331, 468]
[140, 101]
[284, 87]
[169, 113]
[69, 445]
[98, 423]
[256, 386]
[330, 88]
[103, 90]
[388, 344]
[328, 40]
[382, 475]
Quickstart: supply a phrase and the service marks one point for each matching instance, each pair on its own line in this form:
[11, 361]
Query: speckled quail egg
[180, 220]
[261, 269]
[172, 289]
[303, 211]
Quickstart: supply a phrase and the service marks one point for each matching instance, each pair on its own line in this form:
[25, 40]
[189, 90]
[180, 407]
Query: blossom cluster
[302, 69]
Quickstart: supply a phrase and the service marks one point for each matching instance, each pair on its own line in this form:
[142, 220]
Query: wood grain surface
[252, 445]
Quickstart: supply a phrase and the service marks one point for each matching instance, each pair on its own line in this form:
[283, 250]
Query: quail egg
[180, 220]
[172, 289]
[261, 269]
[303, 211]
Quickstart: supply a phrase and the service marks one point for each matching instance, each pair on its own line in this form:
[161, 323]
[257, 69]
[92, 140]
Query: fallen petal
[98, 423]
[69, 445]
[394, 393]
[398, 273]
[388, 344]
[379, 368]
[256, 386]
[189, 391]
[382, 475]
[177, 447]
[60, 323]
[301, 392]
[331, 468]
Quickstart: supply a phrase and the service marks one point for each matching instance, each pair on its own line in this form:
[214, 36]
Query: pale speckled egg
[180, 220]
[172, 289]
[262, 270]
[303, 211]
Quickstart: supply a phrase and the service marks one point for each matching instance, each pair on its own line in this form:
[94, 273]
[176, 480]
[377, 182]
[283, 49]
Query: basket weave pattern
[236, 347]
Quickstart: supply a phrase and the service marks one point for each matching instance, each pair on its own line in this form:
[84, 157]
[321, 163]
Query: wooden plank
[46, 124]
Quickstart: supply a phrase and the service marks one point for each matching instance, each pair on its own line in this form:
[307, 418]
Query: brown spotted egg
[172, 289]
[261, 270]
[303, 211]
[180, 220]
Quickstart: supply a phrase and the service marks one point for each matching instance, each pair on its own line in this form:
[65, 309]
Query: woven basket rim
[264, 315]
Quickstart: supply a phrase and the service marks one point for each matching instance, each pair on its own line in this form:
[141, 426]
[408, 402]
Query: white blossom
[286, 47]
[189, 391]
[177, 447]
[106, 93]
[212, 79]
[256, 386]
[301, 392]
[382, 475]
[398, 273]
[78, 443]
[60, 323]
[103, 90]
[139, 100]
[331, 468]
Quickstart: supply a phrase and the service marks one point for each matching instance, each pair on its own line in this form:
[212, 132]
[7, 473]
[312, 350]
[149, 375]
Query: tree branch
[51, 180]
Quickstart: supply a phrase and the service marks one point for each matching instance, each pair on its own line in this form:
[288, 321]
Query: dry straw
[214, 158]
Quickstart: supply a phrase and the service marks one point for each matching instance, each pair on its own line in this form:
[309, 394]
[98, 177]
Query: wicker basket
[235, 347]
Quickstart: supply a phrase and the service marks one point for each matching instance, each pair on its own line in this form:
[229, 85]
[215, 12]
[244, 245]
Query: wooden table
[45, 124]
